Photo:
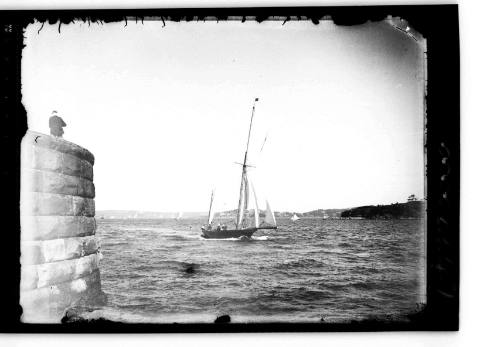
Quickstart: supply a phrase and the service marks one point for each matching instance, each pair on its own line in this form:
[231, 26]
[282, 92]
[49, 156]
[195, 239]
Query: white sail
[256, 208]
[244, 198]
[179, 216]
[211, 210]
[243, 202]
[269, 215]
[295, 217]
[247, 193]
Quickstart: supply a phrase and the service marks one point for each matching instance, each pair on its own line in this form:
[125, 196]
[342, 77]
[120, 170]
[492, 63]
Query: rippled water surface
[338, 270]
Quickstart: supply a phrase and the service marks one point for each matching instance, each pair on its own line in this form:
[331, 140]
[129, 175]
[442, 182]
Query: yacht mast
[239, 218]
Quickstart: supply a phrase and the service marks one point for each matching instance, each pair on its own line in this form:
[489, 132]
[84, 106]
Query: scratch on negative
[404, 31]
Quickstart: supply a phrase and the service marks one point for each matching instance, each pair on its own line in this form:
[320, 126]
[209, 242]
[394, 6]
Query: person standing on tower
[56, 125]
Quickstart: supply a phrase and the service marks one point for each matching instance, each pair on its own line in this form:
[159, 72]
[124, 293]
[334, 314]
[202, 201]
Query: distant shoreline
[407, 210]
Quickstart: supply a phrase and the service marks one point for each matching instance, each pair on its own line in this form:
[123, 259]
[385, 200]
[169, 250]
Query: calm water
[338, 270]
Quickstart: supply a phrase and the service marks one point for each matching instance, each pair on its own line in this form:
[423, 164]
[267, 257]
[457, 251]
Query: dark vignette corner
[13, 128]
[437, 23]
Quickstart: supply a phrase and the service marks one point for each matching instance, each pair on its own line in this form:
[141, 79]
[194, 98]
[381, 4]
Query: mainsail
[244, 197]
[256, 208]
[211, 210]
[247, 193]
[243, 201]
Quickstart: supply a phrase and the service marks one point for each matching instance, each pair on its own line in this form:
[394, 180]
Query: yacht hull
[227, 234]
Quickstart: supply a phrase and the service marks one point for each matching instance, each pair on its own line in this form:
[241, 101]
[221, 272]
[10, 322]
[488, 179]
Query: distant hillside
[126, 214]
[411, 209]
[332, 212]
[262, 213]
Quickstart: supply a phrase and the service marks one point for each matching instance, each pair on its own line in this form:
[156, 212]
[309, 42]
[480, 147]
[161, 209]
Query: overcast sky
[166, 110]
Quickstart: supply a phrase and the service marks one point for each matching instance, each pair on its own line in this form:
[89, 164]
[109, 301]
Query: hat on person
[56, 121]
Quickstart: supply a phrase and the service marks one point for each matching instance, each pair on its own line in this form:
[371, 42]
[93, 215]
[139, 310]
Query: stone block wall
[59, 252]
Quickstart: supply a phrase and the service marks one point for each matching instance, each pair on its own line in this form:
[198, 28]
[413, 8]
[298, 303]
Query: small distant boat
[325, 217]
[179, 216]
[295, 218]
[242, 227]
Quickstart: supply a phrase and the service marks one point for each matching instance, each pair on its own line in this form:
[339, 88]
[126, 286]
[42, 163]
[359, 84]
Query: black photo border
[437, 23]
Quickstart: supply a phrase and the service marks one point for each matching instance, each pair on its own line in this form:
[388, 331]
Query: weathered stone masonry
[59, 252]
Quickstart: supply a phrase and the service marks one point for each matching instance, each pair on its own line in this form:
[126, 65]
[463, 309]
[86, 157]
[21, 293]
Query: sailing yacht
[295, 217]
[243, 226]
[179, 216]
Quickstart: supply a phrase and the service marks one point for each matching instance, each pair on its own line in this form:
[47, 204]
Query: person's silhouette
[56, 125]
